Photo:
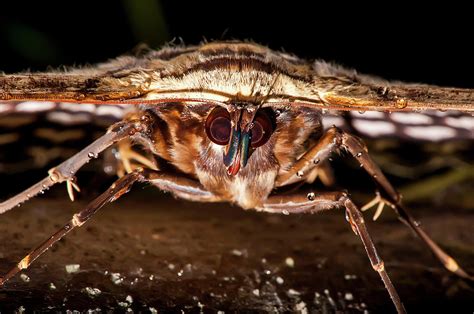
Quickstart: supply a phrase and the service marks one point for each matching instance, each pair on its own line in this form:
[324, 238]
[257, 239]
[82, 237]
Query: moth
[229, 121]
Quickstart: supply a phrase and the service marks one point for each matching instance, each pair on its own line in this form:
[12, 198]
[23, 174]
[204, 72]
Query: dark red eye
[218, 126]
[262, 129]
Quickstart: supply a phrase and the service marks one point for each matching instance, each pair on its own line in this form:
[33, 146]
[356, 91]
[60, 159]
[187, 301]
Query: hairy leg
[335, 139]
[66, 170]
[179, 186]
[312, 202]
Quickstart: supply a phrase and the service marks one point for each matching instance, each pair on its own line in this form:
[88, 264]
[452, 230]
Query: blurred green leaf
[433, 185]
[147, 21]
[30, 43]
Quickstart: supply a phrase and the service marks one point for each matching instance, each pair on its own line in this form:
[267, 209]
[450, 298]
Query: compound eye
[261, 130]
[218, 126]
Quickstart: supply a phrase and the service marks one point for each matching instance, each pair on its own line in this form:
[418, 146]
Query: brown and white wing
[65, 113]
[424, 126]
[35, 134]
[381, 109]
[344, 89]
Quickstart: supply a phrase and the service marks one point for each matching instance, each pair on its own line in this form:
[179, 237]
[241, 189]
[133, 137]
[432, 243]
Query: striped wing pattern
[37, 134]
[424, 126]
[34, 134]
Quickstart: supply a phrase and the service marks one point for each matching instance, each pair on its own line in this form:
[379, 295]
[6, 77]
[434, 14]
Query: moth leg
[300, 202]
[359, 150]
[335, 139]
[313, 202]
[179, 186]
[323, 172]
[379, 201]
[182, 187]
[314, 157]
[116, 190]
[129, 159]
[66, 170]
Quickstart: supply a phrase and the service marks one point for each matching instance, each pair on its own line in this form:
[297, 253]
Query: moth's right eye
[218, 126]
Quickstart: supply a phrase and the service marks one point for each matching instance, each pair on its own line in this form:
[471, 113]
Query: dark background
[431, 44]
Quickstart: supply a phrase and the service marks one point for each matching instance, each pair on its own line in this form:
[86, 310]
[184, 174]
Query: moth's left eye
[218, 126]
[261, 130]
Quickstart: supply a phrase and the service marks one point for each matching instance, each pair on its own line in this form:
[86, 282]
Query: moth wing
[344, 89]
[424, 126]
[75, 87]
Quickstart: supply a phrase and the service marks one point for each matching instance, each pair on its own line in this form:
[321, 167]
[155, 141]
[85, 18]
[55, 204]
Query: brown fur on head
[180, 139]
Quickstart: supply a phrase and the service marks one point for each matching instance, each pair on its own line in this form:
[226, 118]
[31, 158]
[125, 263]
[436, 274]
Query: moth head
[241, 129]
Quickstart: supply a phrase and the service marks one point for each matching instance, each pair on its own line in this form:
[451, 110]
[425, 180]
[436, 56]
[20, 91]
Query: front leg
[332, 141]
[182, 187]
[116, 190]
[65, 171]
[314, 157]
[312, 202]
[335, 139]
[179, 186]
